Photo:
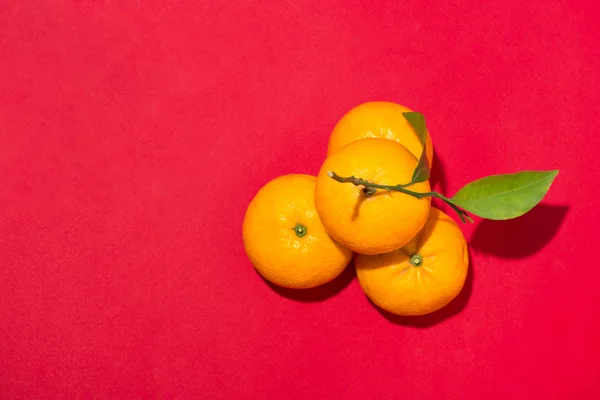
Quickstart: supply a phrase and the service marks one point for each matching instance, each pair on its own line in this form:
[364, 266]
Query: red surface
[132, 137]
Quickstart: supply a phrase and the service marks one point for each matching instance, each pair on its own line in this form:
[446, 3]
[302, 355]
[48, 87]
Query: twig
[402, 189]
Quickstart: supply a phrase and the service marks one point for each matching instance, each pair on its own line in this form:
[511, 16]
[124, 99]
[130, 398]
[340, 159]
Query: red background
[133, 136]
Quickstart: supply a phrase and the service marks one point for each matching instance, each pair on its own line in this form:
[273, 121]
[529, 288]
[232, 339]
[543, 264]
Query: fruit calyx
[300, 230]
[416, 260]
[369, 191]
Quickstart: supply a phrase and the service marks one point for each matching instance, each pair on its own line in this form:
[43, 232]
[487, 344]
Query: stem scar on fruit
[300, 230]
[369, 191]
[416, 260]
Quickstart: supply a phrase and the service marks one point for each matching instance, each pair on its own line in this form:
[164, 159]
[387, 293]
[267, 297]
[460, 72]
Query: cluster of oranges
[302, 231]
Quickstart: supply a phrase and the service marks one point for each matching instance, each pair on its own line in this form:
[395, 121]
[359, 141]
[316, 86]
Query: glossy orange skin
[272, 245]
[373, 224]
[378, 119]
[399, 287]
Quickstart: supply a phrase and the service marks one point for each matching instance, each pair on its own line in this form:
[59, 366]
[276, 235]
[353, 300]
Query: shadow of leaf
[519, 237]
[437, 179]
[453, 308]
[318, 293]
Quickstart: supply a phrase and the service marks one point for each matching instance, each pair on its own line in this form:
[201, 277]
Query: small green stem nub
[300, 230]
[369, 191]
[416, 260]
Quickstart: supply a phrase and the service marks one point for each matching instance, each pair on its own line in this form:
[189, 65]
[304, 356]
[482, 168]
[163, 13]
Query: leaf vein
[510, 190]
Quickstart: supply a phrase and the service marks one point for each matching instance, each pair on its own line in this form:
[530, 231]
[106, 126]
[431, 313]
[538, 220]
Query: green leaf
[507, 196]
[417, 121]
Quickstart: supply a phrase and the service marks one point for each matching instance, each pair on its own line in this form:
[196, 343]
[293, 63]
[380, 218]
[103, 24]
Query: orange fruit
[378, 119]
[371, 223]
[424, 275]
[284, 238]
